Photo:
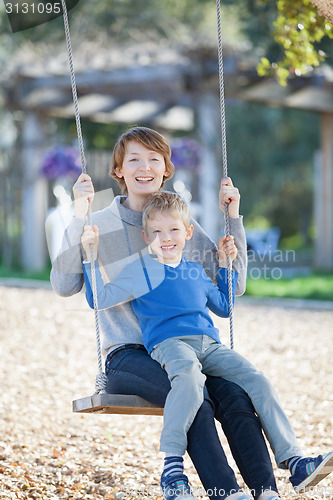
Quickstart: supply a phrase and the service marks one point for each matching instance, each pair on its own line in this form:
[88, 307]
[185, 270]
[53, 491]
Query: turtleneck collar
[126, 214]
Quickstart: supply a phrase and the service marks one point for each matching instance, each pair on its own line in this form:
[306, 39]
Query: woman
[141, 164]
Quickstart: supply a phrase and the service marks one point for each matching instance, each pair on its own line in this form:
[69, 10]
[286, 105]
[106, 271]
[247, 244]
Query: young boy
[172, 298]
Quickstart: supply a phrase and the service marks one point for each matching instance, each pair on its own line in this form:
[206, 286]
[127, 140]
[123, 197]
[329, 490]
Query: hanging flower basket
[186, 153]
[61, 162]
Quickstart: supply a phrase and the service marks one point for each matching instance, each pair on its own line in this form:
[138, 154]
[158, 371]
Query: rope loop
[101, 383]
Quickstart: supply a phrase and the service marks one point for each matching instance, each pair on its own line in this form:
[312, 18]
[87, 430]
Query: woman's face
[142, 170]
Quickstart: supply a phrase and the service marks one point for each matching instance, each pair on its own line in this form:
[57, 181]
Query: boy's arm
[130, 284]
[218, 295]
[109, 294]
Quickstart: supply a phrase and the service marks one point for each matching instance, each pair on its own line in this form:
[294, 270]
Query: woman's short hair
[165, 201]
[151, 140]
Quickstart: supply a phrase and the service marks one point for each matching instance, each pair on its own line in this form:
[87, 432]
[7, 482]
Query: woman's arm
[230, 196]
[240, 263]
[66, 273]
[203, 250]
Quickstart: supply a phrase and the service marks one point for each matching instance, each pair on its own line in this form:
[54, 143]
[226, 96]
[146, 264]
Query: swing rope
[101, 379]
[224, 163]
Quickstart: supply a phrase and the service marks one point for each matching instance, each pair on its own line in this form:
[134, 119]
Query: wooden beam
[134, 75]
[311, 98]
[268, 92]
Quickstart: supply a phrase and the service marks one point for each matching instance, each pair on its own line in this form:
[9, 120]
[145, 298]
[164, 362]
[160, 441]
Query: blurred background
[154, 63]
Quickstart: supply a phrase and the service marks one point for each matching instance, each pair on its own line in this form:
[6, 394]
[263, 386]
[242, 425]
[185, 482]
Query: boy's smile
[166, 235]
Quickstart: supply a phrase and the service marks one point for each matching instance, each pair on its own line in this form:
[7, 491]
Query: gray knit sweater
[120, 242]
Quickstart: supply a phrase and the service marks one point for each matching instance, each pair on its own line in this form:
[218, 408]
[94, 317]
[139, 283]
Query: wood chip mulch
[48, 358]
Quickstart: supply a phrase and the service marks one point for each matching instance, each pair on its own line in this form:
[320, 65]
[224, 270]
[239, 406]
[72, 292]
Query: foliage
[18, 273]
[185, 153]
[61, 161]
[288, 35]
[315, 287]
[298, 29]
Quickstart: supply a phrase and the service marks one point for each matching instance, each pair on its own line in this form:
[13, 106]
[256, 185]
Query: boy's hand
[226, 247]
[90, 236]
[229, 194]
[83, 191]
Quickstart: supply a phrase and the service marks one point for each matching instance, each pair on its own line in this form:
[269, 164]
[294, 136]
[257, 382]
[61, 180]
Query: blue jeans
[133, 371]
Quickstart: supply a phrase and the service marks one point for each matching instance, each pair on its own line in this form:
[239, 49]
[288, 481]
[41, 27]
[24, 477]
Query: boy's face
[142, 170]
[166, 235]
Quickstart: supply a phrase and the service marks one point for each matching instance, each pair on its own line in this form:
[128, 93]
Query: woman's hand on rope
[229, 194]
[226, 247]
[90, 236]
[83, 191]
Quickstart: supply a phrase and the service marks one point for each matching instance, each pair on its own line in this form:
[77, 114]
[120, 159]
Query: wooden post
[34, 194]
[323, 198]
[209, 135]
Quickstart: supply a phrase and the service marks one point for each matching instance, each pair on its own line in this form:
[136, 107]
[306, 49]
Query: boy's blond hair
[151, 140]
[165, 201]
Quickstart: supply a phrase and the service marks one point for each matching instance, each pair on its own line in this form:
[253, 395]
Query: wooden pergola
[169, 88]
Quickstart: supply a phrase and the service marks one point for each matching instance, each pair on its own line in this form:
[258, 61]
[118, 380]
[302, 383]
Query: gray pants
[186, 359]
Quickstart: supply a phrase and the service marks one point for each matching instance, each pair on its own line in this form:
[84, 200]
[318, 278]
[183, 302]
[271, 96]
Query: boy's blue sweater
[167, 301]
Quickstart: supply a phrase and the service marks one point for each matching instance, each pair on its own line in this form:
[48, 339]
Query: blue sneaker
[176, 488]
[309, 471]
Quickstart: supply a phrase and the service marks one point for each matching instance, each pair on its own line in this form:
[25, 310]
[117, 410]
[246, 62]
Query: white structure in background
[209, 175]
[57, 220]
[34, 193]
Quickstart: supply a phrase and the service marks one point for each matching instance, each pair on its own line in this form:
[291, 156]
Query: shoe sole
[323, 470]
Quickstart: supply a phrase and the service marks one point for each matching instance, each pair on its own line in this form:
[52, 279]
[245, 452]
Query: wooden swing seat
[120, 404]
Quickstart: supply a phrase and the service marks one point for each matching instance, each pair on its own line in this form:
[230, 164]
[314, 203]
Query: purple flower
[186, 153]
[61, 161]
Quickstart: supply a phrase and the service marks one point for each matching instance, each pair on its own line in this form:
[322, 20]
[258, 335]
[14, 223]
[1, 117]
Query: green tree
[298, 30]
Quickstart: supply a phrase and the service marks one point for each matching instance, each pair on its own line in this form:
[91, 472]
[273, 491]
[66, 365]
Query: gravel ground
[49, 358]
